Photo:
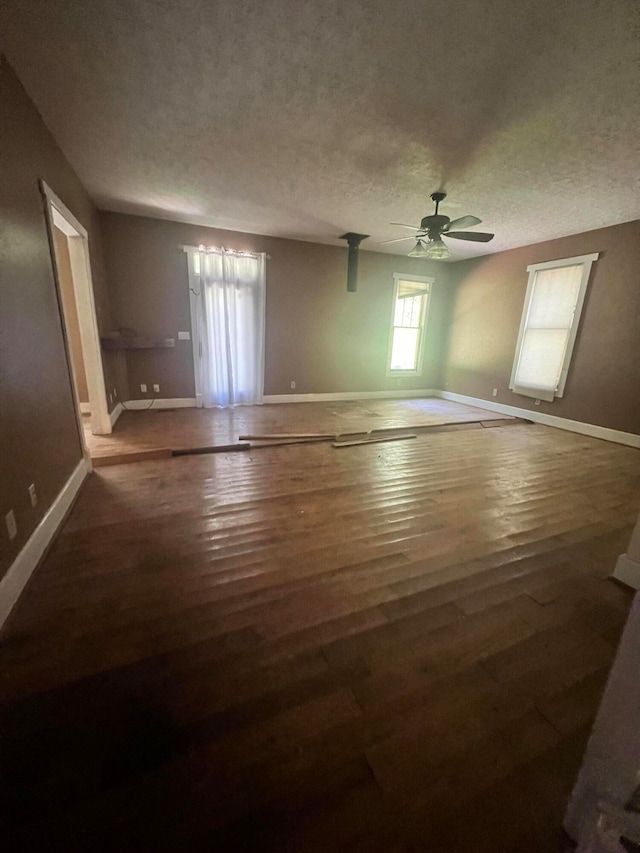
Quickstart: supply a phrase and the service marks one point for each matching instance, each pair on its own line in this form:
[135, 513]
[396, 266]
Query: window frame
[586, 261]
[429, 281]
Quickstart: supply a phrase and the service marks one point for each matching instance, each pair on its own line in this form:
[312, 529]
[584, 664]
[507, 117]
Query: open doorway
[227, 291]
[70, 254]
[70, 310]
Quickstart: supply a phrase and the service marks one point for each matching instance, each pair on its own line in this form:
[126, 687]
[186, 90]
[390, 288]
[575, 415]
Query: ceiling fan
[433, 228]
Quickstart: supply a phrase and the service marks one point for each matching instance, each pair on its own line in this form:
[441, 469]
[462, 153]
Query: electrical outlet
[12, 527]
[494, 392]
[33, 495]
[143, 388]
[293, 384]
[156, 389]
[184, 336]
[537, 403]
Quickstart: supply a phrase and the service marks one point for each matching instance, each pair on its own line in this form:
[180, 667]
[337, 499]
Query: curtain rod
[221, 250]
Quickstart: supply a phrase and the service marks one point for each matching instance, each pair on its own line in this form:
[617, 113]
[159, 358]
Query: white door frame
[59, 216]
[195, 309]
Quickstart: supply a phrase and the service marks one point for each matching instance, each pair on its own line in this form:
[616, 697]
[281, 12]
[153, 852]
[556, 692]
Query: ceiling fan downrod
[438, 197]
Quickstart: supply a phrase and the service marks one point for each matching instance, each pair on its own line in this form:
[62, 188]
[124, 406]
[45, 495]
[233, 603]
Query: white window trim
[532, 269]
[424, 318]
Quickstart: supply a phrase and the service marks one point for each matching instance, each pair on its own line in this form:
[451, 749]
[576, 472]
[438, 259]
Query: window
[408, 321]
[549, 325]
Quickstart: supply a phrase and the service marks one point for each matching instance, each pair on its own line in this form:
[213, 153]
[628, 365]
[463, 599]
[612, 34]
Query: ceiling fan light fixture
[437, 250]
[419, 250]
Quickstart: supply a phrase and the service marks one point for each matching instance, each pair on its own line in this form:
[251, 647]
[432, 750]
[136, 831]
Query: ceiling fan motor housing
[434, 223]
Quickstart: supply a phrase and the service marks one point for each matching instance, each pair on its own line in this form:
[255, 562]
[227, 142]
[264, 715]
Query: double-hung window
[408, 323]
[549, 325]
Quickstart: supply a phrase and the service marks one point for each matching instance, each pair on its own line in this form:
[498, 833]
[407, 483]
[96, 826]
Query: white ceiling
[309, 118]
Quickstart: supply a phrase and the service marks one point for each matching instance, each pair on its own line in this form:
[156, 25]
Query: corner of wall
[455, 276]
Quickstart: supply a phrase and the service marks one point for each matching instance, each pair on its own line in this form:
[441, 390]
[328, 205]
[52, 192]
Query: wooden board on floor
[287, 435]
[136, 456]
[256, 445]
[373, 440]
[214, 448]
[319, 436]
[495, 422]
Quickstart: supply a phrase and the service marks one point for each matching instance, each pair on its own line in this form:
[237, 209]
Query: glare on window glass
[404, 349]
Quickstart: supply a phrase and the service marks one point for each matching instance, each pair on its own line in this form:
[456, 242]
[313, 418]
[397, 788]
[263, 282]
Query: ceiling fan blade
[397, 240]
[462, 222]
[473, 236]
[404, 225]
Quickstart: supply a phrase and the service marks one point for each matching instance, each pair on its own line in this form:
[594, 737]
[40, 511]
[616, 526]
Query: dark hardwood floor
[398, 647]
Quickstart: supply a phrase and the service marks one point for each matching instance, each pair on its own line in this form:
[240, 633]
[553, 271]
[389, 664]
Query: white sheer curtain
[231, 316]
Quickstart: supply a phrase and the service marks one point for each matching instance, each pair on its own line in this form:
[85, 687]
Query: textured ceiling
[309, 119]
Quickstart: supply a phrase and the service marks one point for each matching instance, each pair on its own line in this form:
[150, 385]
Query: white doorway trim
[194, 306]
[59, 216]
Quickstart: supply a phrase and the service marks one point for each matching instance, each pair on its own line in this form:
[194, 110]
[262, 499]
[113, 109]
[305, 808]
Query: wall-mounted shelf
[117, 341]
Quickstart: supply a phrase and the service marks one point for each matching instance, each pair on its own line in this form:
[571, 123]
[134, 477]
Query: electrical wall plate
[12, 527]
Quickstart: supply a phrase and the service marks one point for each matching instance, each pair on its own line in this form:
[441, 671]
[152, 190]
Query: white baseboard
[115, 414]
[592, 430]
[348, 395]
[24, 564]
[174, 403]
[85, 408]
[627, 571]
